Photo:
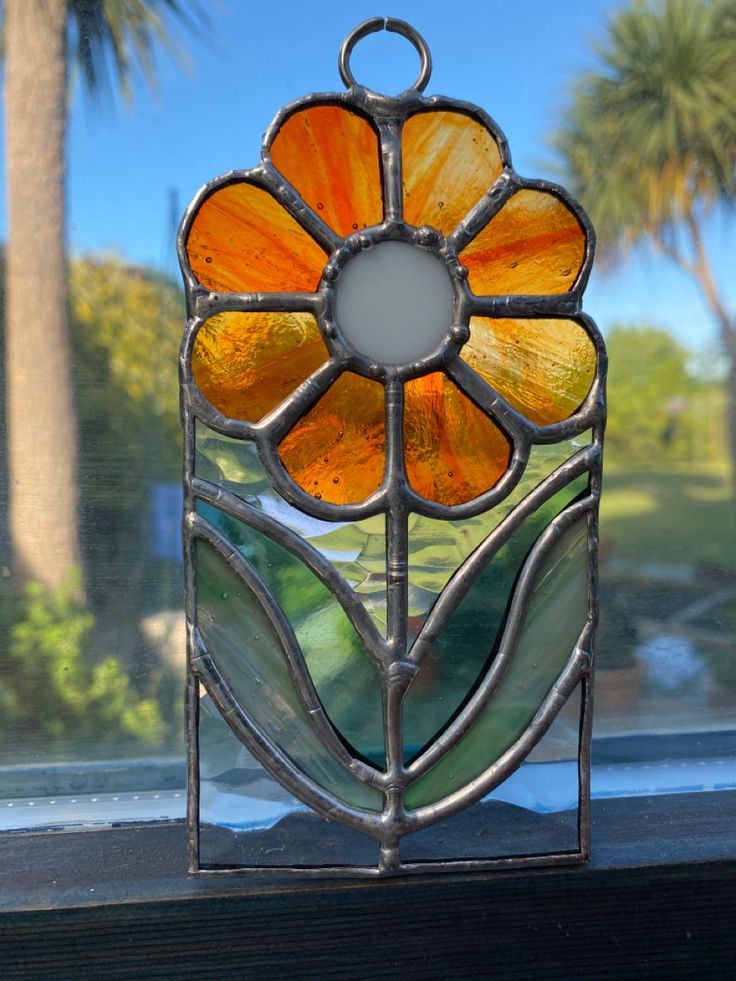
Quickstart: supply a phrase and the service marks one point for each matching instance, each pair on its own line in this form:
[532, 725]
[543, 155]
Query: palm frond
[651, 136]
[120, 37]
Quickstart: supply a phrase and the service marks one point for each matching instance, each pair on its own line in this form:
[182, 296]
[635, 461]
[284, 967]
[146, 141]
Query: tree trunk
[42, 438]
[700, 268]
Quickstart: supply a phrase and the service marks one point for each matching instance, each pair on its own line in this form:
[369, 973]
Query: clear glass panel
[246, 651]
[331, 157]
[357, 549]
[248, 819]
[232, 463]
[347, 682]
[556, 613]
[438, 547]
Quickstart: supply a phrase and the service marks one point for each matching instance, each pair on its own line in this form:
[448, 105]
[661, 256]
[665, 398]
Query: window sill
[657, 899]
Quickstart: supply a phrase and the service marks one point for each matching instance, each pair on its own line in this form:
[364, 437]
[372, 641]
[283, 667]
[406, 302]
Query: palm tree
[43, 39]
[649, 140]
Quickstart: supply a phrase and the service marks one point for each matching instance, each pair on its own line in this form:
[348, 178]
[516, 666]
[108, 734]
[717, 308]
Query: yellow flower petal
[543, 368]
[331, 156]
[336, 452]
[245, 364]
[453, 451]
[534, 245]
[243, 241]
[449, 161]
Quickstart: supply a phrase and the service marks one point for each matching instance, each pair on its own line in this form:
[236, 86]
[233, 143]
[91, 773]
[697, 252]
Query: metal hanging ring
[374, 25]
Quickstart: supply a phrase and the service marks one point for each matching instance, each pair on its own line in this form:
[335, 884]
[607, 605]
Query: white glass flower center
[394, 302]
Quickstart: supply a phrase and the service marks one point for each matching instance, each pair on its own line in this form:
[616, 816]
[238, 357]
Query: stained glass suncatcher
[390, 526]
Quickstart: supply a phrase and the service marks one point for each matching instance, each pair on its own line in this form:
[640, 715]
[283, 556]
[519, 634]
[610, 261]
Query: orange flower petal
[336, 452]
[246, 363]
[331, 156]
[243, 241]
[449, 162]
[543, 368]
[453, 451]
[535, 244]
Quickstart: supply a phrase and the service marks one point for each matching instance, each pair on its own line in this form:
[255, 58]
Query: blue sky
[516, 61]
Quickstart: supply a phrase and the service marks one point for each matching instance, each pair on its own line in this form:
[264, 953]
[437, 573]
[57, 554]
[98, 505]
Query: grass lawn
[684, 514]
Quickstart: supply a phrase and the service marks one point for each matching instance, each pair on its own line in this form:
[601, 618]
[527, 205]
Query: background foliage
[648, 142]
[59, 683]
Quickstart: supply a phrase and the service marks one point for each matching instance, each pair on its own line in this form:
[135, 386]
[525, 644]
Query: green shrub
[54, 692]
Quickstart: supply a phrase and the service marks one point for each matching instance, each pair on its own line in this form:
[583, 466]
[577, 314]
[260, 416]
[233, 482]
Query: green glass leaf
[246, 650]
[345, 678]
[556, 614]
[460, 655]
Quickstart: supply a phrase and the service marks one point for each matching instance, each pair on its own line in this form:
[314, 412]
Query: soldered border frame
[395, 497]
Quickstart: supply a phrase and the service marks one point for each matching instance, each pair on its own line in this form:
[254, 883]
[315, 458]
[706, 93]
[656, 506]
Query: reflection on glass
[667, 638]
[92, 654]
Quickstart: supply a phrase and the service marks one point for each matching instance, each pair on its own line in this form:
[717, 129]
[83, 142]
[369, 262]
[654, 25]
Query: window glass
[92, 639]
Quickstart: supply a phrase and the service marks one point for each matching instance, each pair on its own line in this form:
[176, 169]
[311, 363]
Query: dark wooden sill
[657, 900]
